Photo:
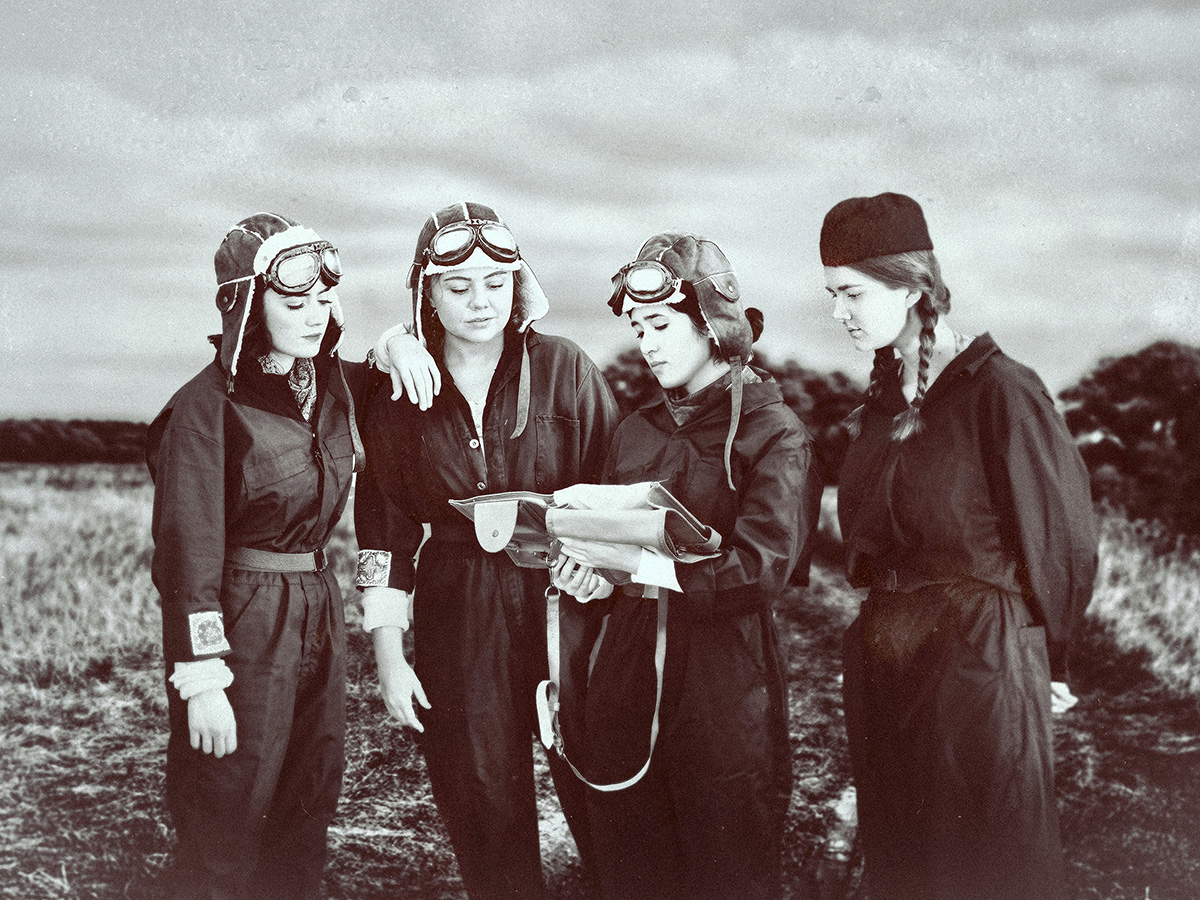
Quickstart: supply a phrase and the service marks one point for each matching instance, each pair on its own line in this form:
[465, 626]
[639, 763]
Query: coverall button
[481, 485]
[474, 443]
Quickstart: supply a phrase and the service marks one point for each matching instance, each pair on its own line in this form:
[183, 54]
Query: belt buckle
[319, 560]
[890, 582]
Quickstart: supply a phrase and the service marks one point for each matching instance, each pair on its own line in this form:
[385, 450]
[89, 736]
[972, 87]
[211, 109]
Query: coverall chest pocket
[556, 462]
[638, 473]
[704, 490]
[340, 449]
[287, 481]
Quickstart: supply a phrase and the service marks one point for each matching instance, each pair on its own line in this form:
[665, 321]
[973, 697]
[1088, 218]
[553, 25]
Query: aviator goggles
[295, 270]
[453, 243]
[644, 281]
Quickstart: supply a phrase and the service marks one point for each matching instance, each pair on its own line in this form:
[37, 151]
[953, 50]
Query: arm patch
[374, 568]
[207, 630]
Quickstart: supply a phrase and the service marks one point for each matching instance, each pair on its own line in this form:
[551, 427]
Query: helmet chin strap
[735, 413]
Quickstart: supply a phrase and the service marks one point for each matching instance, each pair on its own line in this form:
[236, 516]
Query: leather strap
[270, 561]
[523, 391]
[547, 696]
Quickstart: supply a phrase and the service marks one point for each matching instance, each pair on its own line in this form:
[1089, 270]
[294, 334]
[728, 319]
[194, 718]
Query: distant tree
[1137, 421]
[631, 381]
[74, 441]
[822, 400]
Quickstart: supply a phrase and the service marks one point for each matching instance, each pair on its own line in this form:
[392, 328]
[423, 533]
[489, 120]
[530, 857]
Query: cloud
[1053, 149]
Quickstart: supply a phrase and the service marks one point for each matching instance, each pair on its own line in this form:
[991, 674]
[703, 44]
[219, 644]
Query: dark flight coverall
[244, 469]
[479, 626]
[707, 819]
[978, 540]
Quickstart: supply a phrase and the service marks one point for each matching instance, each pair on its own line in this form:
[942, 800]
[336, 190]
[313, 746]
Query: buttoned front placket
[474, 442]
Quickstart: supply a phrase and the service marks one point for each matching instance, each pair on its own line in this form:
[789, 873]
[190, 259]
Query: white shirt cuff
[192, 678]
[656, 569]
[386, 606]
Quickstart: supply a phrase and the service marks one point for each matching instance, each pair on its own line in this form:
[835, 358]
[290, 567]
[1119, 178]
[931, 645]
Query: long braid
[909, 422]
[915, 269]
[884, 359]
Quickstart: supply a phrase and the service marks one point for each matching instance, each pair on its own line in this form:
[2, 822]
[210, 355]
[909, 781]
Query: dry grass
[83, 723]
[1150, 601]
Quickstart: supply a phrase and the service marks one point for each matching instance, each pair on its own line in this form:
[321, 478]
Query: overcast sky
[1053, 145]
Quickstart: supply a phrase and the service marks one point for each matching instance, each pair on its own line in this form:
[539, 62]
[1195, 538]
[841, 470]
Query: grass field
[83, 722]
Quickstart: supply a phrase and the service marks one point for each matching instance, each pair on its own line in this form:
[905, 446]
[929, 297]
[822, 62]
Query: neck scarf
[683, 406]
[302, 379]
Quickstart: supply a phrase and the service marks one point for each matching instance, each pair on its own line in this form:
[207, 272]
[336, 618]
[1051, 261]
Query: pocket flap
[495, 521]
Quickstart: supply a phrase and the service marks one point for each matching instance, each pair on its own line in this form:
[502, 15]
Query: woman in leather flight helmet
[966, 509]
[519, 411]
[706, 818]
[252, 463]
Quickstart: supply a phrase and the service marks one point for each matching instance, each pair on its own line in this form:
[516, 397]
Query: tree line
[1136, 419]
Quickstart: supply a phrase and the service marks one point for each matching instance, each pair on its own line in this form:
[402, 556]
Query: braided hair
[915, 270]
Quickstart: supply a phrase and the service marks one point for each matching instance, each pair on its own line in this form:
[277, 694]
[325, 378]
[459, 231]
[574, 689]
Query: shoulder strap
[547, 691]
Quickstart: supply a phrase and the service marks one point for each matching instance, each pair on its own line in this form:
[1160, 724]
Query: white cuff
[656, 569]
[192, 678]
[385, 606]
[382, 363]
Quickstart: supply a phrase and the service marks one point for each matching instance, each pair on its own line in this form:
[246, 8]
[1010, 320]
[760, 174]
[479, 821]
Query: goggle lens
[452, 240]
[295, 271]
[332, 262]
[646, 281]
[298, 271]
[498, 237]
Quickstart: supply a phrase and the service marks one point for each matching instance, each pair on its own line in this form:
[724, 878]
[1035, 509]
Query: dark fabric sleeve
[810, 515]
[598, 419]
[382, 518]
[188, 527]
[774, 519]
[1043, 497]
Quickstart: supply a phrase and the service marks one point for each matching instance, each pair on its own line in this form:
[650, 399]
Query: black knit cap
[865, 227]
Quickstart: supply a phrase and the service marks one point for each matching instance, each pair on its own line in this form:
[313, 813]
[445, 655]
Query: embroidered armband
[207, 631]
[374, 568]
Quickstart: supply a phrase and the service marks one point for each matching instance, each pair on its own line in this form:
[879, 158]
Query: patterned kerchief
[302, 380]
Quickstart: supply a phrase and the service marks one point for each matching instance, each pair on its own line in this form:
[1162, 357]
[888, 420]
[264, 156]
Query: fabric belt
[639, 591]
[270, 561]
[905, 581]
[452, 533]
